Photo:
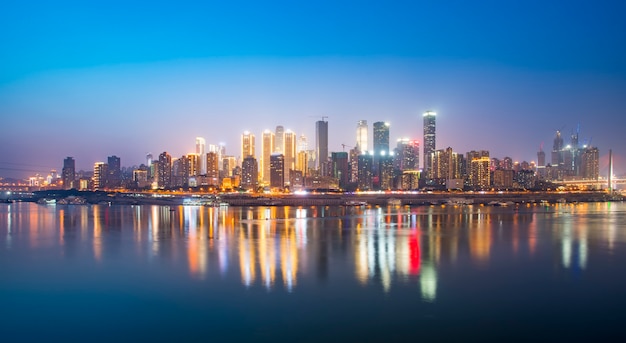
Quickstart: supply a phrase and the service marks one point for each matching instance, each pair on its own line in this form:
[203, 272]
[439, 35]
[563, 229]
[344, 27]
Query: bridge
[598, 184]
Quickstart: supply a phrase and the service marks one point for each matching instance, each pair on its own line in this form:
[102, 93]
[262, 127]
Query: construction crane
[344, 146]
[323, 117]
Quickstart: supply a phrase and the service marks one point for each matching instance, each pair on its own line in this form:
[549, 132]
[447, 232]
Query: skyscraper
[407, 154]
[267, 147]
[321, 144]
[114, 172]
[590, 164]
[361, 136]
[68, 173]
[200, 150]
[280, 140]
[247, 145]
[381, 138]
[277, 171]
[289, 150]
[212, 168]
[341, 168]
[429, 140]
[164, 170]
[99, 175]
[249, 173]
[365, 172]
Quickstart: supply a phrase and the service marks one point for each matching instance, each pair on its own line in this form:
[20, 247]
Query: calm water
[312, 274]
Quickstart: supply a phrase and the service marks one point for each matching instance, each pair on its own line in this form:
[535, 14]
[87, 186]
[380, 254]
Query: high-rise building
[247, 145]
[590, 163]
[365, 174]
[302, 162]
[341, 168]
[114, 172]
[267, 148]
[68, 173]
[557, 150]
[429, 140]
[277, 171]
[321, 144]
[303, 144]
[280, 140]
[100, 172]
[164, 170]
[361, 136]
[200, 151]
[249, 174]
[381, 138]
[289, 150]
[354, 164]
[229, 163]
[446, 165]
[212, 168]
[385, 172]
[193, 161]
[407, 154]
[480, 176]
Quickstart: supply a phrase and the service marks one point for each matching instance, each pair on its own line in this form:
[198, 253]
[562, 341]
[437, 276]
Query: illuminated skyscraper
[280, 140]
[365, 172]
[268, 148]
[99, 175]
[361, 136]
[407, 154]
[247, 145]
[68, 174]
[341, 168]
[212, 168]
[164, 170]
[249, 174]
[289, 150]
[321, 144]
[200, 150]
[590, 163]
[381, 138]
[429, 140]
[303, 144]
[479, 173]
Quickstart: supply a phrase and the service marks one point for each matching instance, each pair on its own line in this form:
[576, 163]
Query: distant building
[212, 168]
[114, 173]
[289, 150]
[365, 174]
[277, 171]
[267, 149]
[100, 171]
[200, 152]
[341, 168]
[249, 174]
[480, 176]
[68, 173]
[590, 163]
[385, 172]
[164, 171]
[429, 140]
[410, 180]
[280, 140]
[247, 145]
[361, 136]
[503, 179]
[321, 145]
[407, 155]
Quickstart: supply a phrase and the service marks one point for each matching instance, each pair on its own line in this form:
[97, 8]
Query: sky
[95, 79]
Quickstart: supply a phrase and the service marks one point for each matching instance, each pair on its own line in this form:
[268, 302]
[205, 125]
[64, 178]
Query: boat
[394, 202]
[355, 203]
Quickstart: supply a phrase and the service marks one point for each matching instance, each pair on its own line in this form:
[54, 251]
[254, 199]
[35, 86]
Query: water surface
[311, 274]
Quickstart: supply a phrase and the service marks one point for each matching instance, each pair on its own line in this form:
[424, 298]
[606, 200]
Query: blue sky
[111, 78]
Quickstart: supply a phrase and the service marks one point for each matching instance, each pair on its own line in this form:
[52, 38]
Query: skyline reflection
[285, 247]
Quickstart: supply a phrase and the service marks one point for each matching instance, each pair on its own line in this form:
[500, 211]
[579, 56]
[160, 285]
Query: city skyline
[498, 81]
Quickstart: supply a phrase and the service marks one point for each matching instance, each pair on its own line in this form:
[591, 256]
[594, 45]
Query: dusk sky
[94, 80]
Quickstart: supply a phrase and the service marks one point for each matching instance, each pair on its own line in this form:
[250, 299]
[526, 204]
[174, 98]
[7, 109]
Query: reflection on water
[275, 247]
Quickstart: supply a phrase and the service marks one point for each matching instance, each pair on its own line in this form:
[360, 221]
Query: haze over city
[90, 81]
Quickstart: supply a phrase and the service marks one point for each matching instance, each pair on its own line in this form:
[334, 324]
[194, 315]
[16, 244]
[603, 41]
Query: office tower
[164, 171]
[249, 174]
[429, 140]
[541, 163]
[149, 160]
[247, 145]
[267, 148]
[385, 172]
[193, 161]
[381, 138]
[361, 136]
[114, 173]
[277, 171]
[407, 154]
[557, 150]
[480, 177]
[590, 163]
[289, 150]
[212, 168]
[446, 165]
[341, 168]
[302, 162]
[229, 163]
[354, 164]
[68, 173]
[321, 144]
[303, 144]
[99, 175]
[280, 140]
[200, 151]
[365, 172]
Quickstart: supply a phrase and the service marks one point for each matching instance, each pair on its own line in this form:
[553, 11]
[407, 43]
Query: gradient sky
[94, 80]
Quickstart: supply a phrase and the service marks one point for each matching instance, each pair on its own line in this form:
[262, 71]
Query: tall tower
[247, 145]
[289, 150]
[114, 173]
[407, 154]
[277, 171]
[249, 173]
[361, 136]
[280, 140]
[200, 150]
[267, 147]
[429, 140]
[68, 174]
[164, 170]
[321, 143]
[381, 138]
[99, 175]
